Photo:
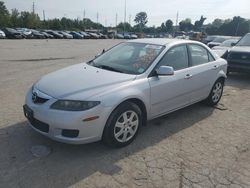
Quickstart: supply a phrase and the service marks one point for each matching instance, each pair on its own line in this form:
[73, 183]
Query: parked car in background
[133, 36]
[119, 36]
[102, 36]
[47, 36]
[94, 35]
[126, 36]
[27, 33]
[55, 34]
[238, 57]
[12, 33]
[85, 35]
[209, 38]
[218, 40]
[37, 34]
[66, 35]
[225, 46]
[2, 35]
[76, 35]
[112, 96]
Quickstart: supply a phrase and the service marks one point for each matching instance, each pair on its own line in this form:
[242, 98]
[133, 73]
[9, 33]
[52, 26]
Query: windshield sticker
[141, 70]
[156, 47]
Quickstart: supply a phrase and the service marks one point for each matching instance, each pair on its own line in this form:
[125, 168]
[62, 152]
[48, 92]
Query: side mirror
[165, 71]
[233, 44]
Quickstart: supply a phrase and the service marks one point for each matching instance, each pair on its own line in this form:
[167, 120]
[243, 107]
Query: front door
[171, 92]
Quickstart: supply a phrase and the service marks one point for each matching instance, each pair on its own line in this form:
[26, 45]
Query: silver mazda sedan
[112, 96]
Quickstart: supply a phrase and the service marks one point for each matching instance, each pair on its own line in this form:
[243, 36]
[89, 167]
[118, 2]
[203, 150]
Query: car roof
[159, 41]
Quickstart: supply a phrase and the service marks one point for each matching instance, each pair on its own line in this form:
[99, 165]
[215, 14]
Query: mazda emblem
[244, 57]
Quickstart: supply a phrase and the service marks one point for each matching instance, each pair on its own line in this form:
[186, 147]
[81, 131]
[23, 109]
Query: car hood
[81, 81]
[241, 49]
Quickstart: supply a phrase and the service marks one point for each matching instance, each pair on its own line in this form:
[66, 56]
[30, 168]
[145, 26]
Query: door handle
[188, 76]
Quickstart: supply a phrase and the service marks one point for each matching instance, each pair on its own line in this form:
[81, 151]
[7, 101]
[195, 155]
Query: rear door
[203, 70]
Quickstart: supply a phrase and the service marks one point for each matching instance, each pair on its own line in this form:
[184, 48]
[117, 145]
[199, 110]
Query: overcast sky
[158, 10]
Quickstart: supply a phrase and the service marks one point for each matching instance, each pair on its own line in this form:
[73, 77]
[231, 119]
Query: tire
[216, 93]
[118, 131]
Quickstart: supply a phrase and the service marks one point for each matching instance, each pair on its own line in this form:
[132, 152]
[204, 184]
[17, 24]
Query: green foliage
[199, 23]
[4, 15]
[14, 18]
[121, 26]
[169, 26]
[141, 19]
[186, 25]
[236, 26]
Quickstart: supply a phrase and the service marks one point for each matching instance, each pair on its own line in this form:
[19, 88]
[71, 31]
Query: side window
[176, 57]
[210, 57]
[198, 54]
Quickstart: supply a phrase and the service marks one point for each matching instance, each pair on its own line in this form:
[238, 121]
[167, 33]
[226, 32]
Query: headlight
[71, 105]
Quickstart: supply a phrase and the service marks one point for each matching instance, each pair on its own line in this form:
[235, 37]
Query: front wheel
[216, 93]
[122, 125]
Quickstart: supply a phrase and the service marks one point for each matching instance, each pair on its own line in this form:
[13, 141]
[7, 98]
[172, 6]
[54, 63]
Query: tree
[14, 18]
[141, 19]
[30, 20]
[186, 25]
[122, 25]
[217, 23]
[198, 24]
[169, 26]
[4, 14]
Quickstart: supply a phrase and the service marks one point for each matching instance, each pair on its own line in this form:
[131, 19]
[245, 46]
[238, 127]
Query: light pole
[125, 14]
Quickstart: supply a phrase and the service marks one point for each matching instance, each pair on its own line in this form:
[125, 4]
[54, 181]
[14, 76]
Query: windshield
[128, 57]
[245, 41]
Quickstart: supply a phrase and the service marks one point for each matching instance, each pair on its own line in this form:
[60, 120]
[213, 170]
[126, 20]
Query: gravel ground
[197, 146]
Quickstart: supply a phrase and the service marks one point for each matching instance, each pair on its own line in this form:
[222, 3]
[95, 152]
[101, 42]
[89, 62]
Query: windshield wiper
[106, 67]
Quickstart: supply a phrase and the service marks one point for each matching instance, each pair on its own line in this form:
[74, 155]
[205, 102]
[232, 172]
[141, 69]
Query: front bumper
[234, 66]
[65, 126]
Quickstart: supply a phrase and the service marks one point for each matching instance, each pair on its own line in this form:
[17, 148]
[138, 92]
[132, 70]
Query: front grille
[70, 133]
[39, 125]
[239, 56]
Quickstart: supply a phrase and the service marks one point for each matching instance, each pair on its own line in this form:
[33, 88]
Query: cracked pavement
[195, 147]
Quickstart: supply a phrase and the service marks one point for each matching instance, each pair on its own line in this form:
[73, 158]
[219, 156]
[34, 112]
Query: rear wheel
[123, 125]
[216, 93]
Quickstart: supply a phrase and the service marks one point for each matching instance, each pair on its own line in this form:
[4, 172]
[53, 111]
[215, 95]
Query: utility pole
[44, 15]
[130, 19]
[237, 28]
[116, 19]
[177, 20]
[84, 14]
[125, 15]
[33, 8]
[97, 17]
